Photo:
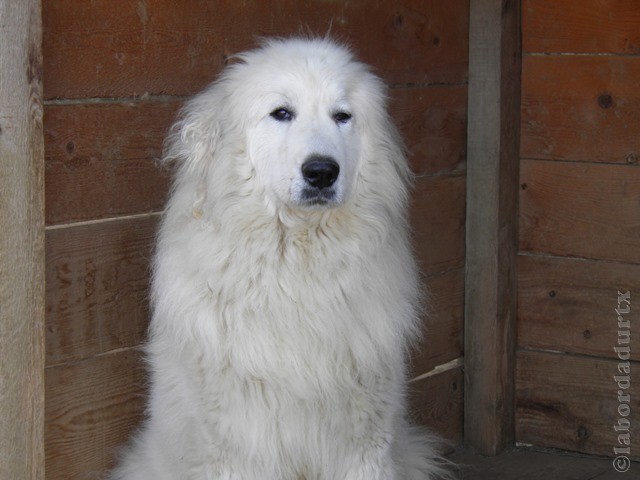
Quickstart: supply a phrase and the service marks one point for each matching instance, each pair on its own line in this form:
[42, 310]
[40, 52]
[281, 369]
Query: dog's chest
[300, 314]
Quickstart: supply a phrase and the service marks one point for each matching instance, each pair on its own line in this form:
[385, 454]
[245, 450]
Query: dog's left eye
[342, 117]
[282, 115]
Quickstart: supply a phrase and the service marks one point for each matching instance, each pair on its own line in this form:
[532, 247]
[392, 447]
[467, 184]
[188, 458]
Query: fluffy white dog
[284, 291]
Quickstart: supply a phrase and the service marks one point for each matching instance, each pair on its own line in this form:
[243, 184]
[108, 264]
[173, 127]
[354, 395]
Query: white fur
[280, 328]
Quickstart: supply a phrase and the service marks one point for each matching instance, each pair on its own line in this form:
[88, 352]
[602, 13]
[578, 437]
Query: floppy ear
[384, 155]
[194, 138]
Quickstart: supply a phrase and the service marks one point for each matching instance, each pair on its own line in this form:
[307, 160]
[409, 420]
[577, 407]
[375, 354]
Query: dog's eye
[342, 117]
[282, 115]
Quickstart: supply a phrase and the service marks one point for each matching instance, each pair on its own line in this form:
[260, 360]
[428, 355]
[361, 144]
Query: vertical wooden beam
[491, 224]
[21, 242]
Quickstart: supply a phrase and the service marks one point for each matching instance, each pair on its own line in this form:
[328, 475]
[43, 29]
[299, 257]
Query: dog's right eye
[282, 115]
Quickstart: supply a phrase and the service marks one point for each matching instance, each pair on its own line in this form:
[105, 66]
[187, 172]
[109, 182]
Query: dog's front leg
[373, 464]
[372, 472]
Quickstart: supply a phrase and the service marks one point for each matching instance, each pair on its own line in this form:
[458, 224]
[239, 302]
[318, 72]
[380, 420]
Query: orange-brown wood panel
[438, 217]
[578, 209]
[118, 48]
[568, 305]
[91, 409]
[442, 413]
[579, 198]
[433, 122]
[442, 333]
[581, 108]
[96, 287]
[570, 402]
[588, 26]
[100, 159]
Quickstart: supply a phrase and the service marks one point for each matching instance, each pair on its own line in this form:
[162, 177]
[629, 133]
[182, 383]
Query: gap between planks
[97, 221]
[149, 98]
[437, 370]
[569, 354]
[116, 100]
[578, 54]
[394, 86]
[581, 162]
[526, 253]
[115, 351]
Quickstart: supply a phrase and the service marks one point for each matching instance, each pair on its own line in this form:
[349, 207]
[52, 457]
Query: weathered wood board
[120, 48]
[580, 209]
[568, 305]
[572, 402]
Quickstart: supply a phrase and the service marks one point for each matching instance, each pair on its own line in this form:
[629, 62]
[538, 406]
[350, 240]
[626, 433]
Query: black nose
[320, 171]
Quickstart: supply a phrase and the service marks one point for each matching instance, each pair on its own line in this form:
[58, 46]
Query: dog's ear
[193, 139]
[383, 152]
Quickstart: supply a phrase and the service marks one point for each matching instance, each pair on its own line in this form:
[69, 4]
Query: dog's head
[298, 119]
[303, 135]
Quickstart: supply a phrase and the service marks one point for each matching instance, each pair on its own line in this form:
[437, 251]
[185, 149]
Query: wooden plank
[583, 210]
[437, 219]
[589, 26]
[100, 159]
[567, 304]
[21, 242]
[442, 330]
[92, 407]
[119, 48]
[581, 108]
[531, 465]
[570, 402]
[97, 279]
[436, 402]
[491, 223]
[433, 122]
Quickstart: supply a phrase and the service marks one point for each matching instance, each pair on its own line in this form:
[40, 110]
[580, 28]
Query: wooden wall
[115, 71]
[579, 221]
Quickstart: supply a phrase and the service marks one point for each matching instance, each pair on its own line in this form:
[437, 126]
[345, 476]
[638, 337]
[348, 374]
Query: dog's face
[304, 146]
[303, 125]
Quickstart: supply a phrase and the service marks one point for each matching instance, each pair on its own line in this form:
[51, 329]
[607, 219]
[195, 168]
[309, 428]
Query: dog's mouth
[318, 197]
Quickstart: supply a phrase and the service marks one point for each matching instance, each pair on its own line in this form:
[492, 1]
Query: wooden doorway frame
[493, 144]
[21, 242]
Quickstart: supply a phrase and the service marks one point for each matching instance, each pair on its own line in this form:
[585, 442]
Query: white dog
[284, 288]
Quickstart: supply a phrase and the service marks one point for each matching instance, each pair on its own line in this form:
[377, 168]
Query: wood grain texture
[437, 219]
[97, 282]
[589, 26]
[92, 407]
[443, 322]
[437, 403]
[581, 108]
[433, 123]
[21, 242]
[120, 48]
[570, 402]
[491, 224]
[582, 210]
[100, 159]
[567, 304]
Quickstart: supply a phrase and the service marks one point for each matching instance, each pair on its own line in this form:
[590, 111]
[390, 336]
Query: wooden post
[21, 242]
[491, 225]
